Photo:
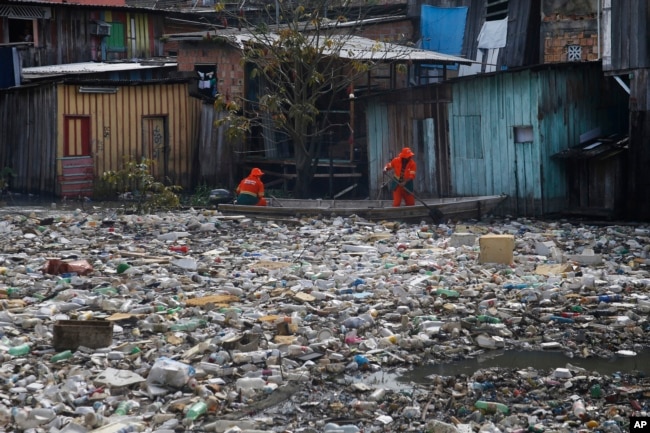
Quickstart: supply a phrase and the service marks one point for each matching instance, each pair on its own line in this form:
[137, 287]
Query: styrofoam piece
[562, 373]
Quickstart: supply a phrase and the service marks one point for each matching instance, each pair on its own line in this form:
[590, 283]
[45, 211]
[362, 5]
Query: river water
[514, 359]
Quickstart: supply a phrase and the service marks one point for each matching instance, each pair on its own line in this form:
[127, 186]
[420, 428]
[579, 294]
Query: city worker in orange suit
[251, 189]
[403, 168]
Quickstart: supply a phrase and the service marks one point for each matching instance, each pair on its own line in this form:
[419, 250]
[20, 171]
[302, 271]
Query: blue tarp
[443, 29]
[9, 69]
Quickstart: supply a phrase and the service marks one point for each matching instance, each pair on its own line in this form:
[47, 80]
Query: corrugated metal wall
[28, 137]
[558, 103]
[117, 122]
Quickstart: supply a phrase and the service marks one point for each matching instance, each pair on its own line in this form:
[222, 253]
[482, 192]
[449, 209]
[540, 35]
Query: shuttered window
[116, 41]
[496, 10]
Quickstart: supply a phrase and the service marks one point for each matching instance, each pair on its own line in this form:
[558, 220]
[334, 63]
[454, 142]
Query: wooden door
[154, 145]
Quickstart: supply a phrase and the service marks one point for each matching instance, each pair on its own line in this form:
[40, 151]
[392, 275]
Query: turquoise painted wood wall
[555, 104]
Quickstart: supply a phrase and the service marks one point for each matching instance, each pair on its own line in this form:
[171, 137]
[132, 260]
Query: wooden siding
[415, 118]
[117, 121]
[558, 103]
[217, 162]
[28, 138]
[638, 198]
[630, 35]
[66, 37]
[523, 40]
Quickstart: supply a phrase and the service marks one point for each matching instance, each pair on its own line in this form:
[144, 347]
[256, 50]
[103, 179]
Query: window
[115, 41]
[496, 10]
[206, 76]
[21, 30]
[574, 53]
[523, 134]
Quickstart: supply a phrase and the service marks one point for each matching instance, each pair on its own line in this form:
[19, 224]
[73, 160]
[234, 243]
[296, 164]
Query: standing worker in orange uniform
[251, 189]
[403, 167]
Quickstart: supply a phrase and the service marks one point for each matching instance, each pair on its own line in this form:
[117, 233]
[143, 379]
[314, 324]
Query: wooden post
[351, 122]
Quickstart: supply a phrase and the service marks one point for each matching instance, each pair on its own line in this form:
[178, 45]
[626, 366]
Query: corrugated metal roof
[91, 68]
[346, 46]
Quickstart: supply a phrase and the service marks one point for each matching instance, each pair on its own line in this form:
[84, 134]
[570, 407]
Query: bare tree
[304, 58]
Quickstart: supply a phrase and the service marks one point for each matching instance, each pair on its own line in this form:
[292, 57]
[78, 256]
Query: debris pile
[195, 321]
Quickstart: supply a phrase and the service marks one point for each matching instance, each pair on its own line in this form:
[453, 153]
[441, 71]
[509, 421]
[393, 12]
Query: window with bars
[496, 10]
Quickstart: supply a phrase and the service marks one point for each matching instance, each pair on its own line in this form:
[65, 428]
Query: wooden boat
[441, 209]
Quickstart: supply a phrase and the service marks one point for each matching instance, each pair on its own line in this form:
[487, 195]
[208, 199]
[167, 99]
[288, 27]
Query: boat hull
[456, 208]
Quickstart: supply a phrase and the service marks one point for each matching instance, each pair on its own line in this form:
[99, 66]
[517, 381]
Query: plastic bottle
[331, 427]
[561, 319]
[94, 420]
[179, 249]
[66, 354]
[579, 409]
[491, 406]
[20, 350]
[487, 319]
[80, 401]
[14, 292]
[487, 303]
[510, 286]
[122, 267]
[196, 410]
[361, 405]
[248, 383]
[610, 298]
[296, 349]
[155, 328]
[449, 293]
[595, 391]
[123, 408]
[143, 309]
[611, 426]
[190, 325]
[377, 394]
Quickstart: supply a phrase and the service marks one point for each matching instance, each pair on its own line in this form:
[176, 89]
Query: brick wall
[400, 31]
[564, 34]
[558, 48]
[230, 74]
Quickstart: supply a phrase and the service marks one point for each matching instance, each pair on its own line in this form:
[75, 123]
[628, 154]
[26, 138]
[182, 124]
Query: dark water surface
[516, 359]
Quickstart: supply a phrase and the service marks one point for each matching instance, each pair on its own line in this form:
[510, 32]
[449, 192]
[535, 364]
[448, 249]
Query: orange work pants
[400, 193]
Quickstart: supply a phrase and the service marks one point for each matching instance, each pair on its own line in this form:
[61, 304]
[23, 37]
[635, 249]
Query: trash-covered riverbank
[194, 321]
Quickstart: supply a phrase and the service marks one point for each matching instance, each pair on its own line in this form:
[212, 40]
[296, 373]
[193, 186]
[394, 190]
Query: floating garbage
[197, 321]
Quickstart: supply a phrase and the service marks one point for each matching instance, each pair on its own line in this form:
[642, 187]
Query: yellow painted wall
[116, 124]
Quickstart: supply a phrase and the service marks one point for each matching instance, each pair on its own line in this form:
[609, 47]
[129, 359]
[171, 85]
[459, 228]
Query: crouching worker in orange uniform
[251, 190]
[403, 167]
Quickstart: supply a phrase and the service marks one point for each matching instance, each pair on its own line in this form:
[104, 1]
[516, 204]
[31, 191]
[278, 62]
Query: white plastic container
[246, 383]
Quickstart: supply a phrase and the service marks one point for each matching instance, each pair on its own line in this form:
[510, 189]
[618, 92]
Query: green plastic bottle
[66, 354]
[21, 349]
[491, 406]
[196, 410]
[595, 391]
[14, 292]
[487, 319]
[448, 293]
[190, 325]
[123, 408]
